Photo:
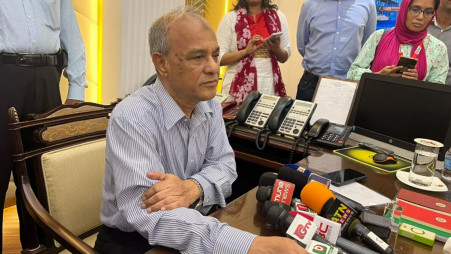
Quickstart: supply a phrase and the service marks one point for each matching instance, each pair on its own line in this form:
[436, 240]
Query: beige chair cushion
[73, 180]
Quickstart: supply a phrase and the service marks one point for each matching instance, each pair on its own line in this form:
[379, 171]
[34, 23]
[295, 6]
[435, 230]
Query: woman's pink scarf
[388, 49]
[245, 79]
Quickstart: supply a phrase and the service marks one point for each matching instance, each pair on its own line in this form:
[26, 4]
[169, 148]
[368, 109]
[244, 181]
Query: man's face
[192, 62]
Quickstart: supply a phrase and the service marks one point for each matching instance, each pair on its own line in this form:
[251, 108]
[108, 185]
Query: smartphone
[274, 36]
[407, 63]
[345, 176]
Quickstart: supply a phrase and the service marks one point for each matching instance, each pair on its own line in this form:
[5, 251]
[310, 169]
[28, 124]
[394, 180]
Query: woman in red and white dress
[251, 58]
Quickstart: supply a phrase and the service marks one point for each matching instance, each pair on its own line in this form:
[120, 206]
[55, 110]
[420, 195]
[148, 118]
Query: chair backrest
[60, 158]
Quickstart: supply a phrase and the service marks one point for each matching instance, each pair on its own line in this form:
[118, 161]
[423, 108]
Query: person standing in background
[330, 34]
[441, 29]
[251, 58]
[409, 38]
[32, 34]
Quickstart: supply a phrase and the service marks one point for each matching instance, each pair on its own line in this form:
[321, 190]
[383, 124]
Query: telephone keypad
[296, 118]
[260, 114]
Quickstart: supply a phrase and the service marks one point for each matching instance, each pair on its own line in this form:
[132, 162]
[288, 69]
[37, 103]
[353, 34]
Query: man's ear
[159, 60]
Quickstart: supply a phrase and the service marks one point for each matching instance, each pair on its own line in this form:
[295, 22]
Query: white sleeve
[285, 38]
[225, 32]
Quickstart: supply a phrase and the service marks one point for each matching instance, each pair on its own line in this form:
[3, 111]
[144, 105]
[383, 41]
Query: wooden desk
[245, 212]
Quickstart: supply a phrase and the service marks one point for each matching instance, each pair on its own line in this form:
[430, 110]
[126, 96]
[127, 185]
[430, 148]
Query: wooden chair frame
[37, 205]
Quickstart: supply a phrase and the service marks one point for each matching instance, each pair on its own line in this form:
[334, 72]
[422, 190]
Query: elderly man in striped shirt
[168, 157]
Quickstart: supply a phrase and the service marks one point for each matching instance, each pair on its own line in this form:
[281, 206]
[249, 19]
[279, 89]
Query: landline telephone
[329, 134]
[291, 117]
[256, 109]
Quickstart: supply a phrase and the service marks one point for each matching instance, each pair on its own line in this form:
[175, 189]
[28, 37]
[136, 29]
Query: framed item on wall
[387, 11]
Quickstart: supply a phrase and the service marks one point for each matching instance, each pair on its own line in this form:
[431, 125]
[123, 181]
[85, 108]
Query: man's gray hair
[158, 32]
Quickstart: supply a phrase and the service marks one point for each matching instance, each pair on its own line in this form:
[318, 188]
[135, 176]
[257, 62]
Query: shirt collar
[173, 113]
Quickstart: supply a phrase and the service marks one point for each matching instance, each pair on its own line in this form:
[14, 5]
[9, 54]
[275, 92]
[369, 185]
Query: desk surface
[245, 212]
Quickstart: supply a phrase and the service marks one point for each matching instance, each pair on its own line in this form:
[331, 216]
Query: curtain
[137, 17]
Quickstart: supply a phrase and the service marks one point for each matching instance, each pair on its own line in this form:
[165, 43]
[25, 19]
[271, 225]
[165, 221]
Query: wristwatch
[199, 202]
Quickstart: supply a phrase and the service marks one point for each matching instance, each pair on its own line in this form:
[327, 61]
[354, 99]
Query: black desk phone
[329, 134]
[256, 109]
[291, 117]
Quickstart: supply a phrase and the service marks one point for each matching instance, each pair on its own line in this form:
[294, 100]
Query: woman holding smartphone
[409, 38]
[245, 48]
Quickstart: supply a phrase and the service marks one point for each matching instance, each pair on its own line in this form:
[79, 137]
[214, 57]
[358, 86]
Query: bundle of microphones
[323, 222]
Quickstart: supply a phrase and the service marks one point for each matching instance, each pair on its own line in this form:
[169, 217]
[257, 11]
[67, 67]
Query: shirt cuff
[76, 92]
[233, 241]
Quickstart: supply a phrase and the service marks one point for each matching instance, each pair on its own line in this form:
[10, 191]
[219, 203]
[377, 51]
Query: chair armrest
[60, 233]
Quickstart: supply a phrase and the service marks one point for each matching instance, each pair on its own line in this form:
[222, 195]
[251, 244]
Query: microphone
[267, 179]
[320, 199]
[268, 204]
[299, 179]
[298, 168]
[358, 229]
[282, 219]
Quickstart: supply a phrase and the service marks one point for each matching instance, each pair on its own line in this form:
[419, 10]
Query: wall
[111, 63]
[292, 69]
[111, 56]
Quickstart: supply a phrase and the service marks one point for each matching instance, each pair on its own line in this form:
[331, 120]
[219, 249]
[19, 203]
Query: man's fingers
[156, 176]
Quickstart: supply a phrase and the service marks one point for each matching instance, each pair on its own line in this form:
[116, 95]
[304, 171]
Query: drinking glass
[423, 163]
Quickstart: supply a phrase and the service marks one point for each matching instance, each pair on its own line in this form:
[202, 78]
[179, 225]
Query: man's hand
[275, 245]
[170, 193]
[410, 74]
[72, 102]
[391, 71]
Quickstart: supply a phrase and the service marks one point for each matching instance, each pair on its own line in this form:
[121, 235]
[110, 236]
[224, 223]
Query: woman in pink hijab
[409, 38]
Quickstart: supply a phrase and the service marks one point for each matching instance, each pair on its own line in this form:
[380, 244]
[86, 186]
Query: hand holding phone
[407, 63]
[274, 36]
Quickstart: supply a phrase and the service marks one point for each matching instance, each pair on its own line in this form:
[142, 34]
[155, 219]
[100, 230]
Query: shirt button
[29, 17]
[335, 48]
[339, 17]
[338, 32]
[191, 160]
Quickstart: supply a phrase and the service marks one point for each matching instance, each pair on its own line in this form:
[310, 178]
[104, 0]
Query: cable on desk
[232, 125]
[257, 139]
[293, 149]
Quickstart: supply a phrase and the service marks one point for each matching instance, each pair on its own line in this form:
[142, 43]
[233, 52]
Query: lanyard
[417, 51]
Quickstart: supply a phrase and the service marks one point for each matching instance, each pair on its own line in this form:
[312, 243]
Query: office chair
[151, 80]
[59, 157]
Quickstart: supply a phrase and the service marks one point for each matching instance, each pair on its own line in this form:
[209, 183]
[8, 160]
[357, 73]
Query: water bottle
[446, 172]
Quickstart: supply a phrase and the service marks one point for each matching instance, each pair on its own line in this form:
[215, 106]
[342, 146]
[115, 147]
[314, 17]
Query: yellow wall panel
[87, 13]
[87, 8]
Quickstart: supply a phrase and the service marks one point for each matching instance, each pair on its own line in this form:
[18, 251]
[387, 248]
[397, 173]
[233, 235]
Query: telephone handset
[330, 134]
[317, 127]
[256, 109]
[293, 118]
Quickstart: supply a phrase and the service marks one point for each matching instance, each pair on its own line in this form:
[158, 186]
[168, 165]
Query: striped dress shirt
[42, 27]
[149, 132]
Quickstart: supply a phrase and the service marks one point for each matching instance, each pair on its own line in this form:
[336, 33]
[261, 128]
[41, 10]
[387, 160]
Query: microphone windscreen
[292, 176]
[268, 204]
[315, 195]
[263, 193]
[267, 179]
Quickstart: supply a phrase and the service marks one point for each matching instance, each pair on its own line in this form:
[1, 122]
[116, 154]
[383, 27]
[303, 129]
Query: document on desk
[334, 98]
[362, 194]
